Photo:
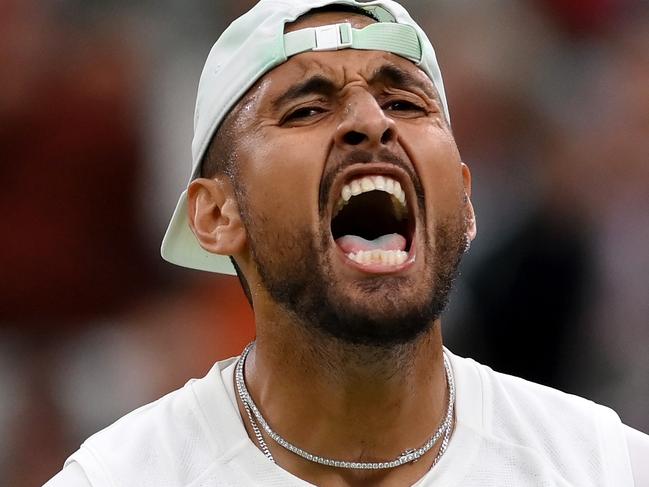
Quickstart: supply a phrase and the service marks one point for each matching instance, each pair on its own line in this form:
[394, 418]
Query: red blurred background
[550, 107]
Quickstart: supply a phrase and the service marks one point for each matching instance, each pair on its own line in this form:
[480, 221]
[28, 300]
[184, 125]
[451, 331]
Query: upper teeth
[372, 183]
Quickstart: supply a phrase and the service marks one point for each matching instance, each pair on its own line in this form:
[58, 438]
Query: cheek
[282, 180]
[440, 171]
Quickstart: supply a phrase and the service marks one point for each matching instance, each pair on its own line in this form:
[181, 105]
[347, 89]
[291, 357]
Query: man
[324, 165]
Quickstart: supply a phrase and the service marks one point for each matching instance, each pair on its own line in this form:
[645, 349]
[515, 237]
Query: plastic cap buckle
[333, 37]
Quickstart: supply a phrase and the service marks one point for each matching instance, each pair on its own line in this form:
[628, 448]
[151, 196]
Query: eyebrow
[394, 76]
[387, 74]
[316, 84]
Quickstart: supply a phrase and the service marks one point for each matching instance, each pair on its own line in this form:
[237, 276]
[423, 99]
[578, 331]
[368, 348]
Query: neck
[340, 365]
[346, 401]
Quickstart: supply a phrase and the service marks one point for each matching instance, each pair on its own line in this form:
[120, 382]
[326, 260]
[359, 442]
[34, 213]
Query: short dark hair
[340, 7]
[219, 155]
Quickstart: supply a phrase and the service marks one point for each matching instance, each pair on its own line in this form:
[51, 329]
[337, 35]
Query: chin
[324, 294]
[383, 313]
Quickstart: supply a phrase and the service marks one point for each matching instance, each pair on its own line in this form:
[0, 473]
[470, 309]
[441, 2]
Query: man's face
[352, 191]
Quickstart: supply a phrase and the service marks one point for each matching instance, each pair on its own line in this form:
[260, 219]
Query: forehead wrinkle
[383, 69]
[316, 63]
[343, 70]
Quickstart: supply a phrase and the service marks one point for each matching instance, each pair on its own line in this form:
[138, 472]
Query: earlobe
[214, 216]
[472, 228]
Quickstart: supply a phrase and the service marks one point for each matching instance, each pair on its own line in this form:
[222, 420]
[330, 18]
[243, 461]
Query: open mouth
[372, 223]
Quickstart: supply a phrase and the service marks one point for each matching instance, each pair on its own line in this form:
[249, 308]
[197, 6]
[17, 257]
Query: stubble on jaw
[343, 335]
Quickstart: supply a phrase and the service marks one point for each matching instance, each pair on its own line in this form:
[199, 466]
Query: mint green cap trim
[399, 39]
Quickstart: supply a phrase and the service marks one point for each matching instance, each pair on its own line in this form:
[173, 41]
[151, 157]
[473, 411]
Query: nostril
[354, 138]
[387, 136]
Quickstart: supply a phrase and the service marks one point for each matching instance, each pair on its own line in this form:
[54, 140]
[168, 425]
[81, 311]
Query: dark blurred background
[550, 107]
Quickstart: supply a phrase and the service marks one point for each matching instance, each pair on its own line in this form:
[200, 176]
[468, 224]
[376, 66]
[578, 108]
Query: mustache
[364, 157]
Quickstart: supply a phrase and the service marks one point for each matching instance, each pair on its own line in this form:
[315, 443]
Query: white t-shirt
[508, 433]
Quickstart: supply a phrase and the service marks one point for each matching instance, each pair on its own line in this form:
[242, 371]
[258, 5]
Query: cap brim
[181, 247]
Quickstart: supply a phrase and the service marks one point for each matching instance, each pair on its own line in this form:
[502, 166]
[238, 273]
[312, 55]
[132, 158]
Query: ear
[214, 216]
[472, 228]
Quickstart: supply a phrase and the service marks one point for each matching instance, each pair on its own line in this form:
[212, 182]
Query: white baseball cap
[254, 44]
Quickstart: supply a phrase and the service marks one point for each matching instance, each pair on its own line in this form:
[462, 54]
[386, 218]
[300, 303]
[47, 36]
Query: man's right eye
[303, 113]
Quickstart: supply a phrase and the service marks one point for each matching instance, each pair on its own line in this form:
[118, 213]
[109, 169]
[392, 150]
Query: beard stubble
[382, 311]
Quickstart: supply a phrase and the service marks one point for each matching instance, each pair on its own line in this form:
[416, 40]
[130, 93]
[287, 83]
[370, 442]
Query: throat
[370, 370]
[346, 382]
[360, 417]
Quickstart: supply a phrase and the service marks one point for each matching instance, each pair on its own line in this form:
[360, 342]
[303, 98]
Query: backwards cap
[254, 44]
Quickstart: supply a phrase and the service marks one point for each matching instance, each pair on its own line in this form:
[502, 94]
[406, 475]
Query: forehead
[340, 66]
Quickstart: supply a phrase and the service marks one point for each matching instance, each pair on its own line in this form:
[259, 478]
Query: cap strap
[399, 39]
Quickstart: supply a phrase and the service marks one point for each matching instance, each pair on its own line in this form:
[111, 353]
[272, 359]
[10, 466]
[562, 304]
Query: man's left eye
[401, 106]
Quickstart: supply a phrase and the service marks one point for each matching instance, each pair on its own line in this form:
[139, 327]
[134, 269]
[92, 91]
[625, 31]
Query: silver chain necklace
[254, 415]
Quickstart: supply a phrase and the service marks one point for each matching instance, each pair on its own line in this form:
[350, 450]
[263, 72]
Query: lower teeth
[383, 257]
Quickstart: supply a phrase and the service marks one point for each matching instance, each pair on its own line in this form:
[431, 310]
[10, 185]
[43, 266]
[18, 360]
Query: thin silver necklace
[254, 415]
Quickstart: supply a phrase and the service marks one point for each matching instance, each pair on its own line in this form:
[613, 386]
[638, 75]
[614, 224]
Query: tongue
[354, 243]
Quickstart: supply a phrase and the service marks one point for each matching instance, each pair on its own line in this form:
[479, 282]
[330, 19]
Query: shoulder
[639, 453]
[171, 438]
[71, 476]
[510, 401]
[580, 441]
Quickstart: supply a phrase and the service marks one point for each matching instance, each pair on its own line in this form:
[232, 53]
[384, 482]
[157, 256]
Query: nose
[364, 123]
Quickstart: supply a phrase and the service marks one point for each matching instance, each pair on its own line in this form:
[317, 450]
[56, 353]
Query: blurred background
[550, 108]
